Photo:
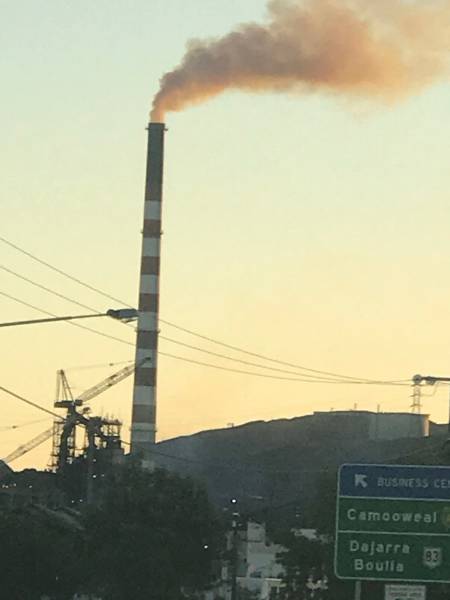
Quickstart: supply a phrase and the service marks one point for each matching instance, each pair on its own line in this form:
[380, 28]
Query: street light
[121, 314]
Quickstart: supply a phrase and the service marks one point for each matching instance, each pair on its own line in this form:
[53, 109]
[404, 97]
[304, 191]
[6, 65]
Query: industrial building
[376, 425]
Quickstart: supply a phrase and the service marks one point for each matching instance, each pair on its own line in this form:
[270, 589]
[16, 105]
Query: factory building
[376, 425]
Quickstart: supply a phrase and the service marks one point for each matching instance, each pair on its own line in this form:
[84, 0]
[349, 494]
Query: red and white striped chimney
[143, 427]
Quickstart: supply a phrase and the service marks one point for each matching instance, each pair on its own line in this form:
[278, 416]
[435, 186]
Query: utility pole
[90, 461]
[234, 551]
[432, 380]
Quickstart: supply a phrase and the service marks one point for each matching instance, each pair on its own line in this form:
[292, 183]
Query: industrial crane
[64, 442]
[66, 425]
[24, 448]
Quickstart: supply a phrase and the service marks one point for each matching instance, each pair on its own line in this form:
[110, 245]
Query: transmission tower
[416, 406]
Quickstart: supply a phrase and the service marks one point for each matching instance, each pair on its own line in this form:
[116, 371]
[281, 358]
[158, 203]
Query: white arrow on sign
[361, 480]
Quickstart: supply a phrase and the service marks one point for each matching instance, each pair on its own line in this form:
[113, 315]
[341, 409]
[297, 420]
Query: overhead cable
[212, 366]
[194, 333]
[240, 467]
[30, 403]
[325, 381]
[281, 362]
[162, 337]
[46, 289]
[259, 365]
[60, 271]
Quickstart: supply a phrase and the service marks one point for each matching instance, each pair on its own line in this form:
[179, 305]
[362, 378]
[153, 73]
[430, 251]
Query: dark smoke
[380, 49]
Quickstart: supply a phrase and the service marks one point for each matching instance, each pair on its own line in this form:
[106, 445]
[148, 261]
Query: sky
[307, 228]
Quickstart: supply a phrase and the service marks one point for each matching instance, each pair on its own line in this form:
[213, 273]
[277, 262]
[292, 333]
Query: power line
[46, 289]
[323, 381]
[240, 467]
[131, 344]
[191, 332]
[281, 362]
[204, 364]
[245, 362]
[61, 272]
[30, 403]
[160, 353]
[258, 365]
[69, 299]
[156, 452]
[55, 293]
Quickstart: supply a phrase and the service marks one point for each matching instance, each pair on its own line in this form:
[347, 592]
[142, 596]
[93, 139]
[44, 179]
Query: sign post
[393, 524]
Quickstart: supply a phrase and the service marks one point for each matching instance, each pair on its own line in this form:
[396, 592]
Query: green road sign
[393, 523]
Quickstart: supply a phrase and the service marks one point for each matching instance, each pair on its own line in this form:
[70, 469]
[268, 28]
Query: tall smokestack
[143, 428]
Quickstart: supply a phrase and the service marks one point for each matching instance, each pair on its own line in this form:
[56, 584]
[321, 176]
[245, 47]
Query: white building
[376, 425]
[258, 570]
[258, 567]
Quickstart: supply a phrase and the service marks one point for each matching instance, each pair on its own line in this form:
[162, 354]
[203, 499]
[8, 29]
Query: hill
[268, 464]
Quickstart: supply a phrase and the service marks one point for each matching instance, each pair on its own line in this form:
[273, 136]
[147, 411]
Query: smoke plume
[379, 49]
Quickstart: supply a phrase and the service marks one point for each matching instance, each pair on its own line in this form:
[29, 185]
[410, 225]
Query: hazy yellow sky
[309, 229]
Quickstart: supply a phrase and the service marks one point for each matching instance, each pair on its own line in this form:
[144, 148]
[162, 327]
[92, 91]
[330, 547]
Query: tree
[301, 559]
[153, 536]
[323, 507]
[38, 554]
[245, 594]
